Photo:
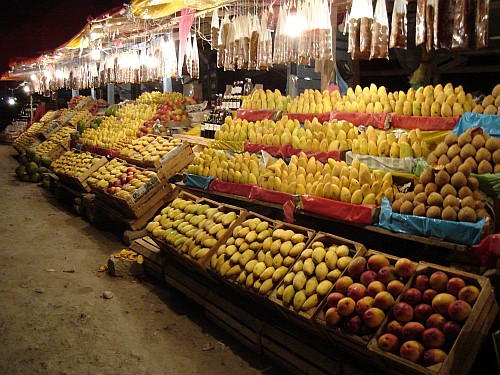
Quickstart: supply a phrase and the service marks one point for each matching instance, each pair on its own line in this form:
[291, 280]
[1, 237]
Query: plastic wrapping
[461, 25]
[380, 32]
[360, 22]
[489, 183]
[431, 25]
[200, 182]
[399, 25]
[271, 196]
[230, 48]
[489, 123]
[280, 38]
[377, 120]
[324, 35]
[488, 250]
[224, 30]
[195, 60]
[189, 48]
[254, 43]
[402, 165]
[482, 22]
[445, 22]
[452, 231]
[214, 29]
[420, 35]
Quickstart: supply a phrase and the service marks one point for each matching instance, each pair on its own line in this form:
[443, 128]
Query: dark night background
[30, 27]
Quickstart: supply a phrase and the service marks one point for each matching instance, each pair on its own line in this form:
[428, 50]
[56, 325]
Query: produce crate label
[137, 194]
[51, 128]
[172, 154]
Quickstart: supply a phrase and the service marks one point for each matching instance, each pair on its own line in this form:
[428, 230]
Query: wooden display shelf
[169, 164]
[135, 205]
[144, 213]
[80, 182]
[153, 261]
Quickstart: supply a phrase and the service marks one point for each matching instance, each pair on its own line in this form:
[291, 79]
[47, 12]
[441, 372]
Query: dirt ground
[54, 320]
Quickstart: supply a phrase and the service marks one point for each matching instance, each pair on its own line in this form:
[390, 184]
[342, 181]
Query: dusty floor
[53, 319]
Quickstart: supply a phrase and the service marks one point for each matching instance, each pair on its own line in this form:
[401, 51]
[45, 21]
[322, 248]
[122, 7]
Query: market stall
[343, 214]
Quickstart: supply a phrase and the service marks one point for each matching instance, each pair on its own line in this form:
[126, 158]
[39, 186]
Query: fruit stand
[362, 221]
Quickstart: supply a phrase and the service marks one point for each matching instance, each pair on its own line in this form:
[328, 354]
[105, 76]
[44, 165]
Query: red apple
[469, 294]
[433, 356]
[451, 330]
[395, 287]
[377, 261]
[332, 316]
[412, 351]
[353, 324]
[356, 267]
[459, 310]
[395, 328]
[356, 291]
[436, 321]
[412, 331]
[386, 274]
[388, 343]
[403, 312]
[367, 277]
[342, 284]
[364, 304]
[433, 338]
[374, 288]
[422, 312]
[438, 281]
[384, 301]
[413, 296]
[334, 298]
[373, 317]
[428, 296]
[422, 282]
[404, 267]
[346, 306]
[454, 285]
[441, 302]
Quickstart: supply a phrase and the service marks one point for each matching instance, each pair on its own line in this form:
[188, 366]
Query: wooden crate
[147, 210]
[186, 282]
[169, 164]
[80, 182]
[198, 265]
[239, 323]
[274, 224]
[357, 343]
[135, 204]
[153, 260]
[465, 348]
[306, 318]
[297, 351]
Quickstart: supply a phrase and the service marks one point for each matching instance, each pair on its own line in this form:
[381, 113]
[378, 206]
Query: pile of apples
[120, 179]
[364, 295]
[170, 110]
[426, 321]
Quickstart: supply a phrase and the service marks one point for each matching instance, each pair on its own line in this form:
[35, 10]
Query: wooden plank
[182, 281]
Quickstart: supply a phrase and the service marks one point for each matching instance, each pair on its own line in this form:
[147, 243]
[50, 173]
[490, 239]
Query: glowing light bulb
[295, 25]
[95, 54]
[26, 88]
[33, 77]
[11, 101]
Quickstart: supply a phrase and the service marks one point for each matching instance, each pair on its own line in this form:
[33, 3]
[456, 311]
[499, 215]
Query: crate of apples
[363, 296]
[435, 325]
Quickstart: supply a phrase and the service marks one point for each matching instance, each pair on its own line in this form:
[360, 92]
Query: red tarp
[377, 120]
[271, 196]
[355, 213]
[487, 250]
[424, 122]
[255, 114]
[286, 151]
[233, 188]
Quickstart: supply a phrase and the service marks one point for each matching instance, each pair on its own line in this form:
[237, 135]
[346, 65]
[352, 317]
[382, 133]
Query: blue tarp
[452, 231]
[489, 123]
[200, 182]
